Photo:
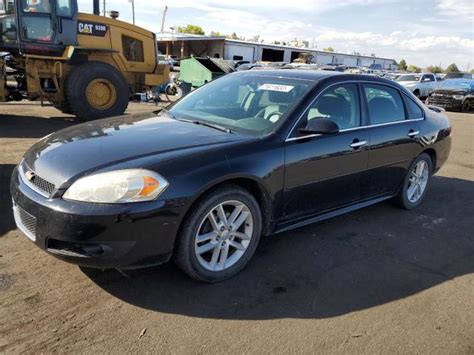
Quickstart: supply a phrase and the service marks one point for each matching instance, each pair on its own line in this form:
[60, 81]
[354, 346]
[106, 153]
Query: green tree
[328, 49]
[402, 65]
[215, 34]
[191, 29]
[452, 68]
[472, 71]
[435, 69]
[414, 69]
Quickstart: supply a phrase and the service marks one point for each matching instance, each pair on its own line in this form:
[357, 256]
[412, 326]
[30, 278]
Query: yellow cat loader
[85, 64]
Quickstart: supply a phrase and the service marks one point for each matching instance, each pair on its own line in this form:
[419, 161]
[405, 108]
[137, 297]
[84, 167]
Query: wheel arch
[432, 153]
[247, 182]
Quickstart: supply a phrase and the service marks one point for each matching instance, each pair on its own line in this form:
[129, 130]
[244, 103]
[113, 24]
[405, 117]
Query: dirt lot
[380, 280]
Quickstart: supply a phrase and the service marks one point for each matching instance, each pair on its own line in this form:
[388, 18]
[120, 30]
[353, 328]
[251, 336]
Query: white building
[185, 45]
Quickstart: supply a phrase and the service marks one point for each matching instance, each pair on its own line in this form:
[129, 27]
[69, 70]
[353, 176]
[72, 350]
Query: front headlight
[120, 186]
[458, 97]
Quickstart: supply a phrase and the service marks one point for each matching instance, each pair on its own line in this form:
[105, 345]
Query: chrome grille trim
[25, 222]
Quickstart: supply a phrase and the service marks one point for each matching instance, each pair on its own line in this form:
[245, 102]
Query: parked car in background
[162, 59]
[419, 84]
[459, 76]
[247, 66]
[390, 76]
[173, 60]
[240, 62]
[453, 95]
[246, 155]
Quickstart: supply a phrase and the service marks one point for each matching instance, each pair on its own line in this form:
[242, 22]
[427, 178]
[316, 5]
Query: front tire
[220, 235]
[466, 107]
[96, 90]
[416, 182]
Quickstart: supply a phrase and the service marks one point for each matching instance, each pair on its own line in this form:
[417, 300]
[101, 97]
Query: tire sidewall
[403, 193]
[193, 223]
[80, 78]
[466, 107]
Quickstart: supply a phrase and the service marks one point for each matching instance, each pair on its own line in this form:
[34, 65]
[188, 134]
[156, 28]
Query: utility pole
[104, 8]
[163, 18]
[133, 9]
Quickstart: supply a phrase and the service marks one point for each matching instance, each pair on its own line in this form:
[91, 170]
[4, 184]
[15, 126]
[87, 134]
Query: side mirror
[320, 125]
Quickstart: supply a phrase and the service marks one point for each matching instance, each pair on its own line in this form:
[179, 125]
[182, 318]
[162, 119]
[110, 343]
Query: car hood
[82, 149]
[407, 83]
[449, 92]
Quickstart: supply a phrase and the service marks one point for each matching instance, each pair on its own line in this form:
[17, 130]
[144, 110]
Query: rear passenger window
[384, 103]
[414, 111]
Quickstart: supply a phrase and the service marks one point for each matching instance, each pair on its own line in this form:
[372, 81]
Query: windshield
[413, 77]
[250, 103]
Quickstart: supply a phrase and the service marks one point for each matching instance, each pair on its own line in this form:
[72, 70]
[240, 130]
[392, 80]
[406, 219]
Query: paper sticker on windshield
[276, 87]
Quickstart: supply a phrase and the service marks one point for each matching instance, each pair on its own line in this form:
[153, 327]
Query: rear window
[384, 103]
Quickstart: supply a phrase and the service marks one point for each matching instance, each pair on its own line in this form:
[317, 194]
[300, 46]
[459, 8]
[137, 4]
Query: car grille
[440, 100]
[25, 222]
[36, 182]
[43, 185]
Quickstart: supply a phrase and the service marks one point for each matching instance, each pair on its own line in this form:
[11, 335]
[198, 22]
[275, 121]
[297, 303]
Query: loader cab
[38, 26]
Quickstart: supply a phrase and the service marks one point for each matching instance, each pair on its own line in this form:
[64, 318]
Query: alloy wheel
[224, 235]
[418, 181]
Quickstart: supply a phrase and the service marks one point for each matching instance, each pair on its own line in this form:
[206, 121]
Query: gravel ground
[379, 280]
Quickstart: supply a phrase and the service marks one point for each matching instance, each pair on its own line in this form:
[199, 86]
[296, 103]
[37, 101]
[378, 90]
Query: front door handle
[357, 144]
[412, 133]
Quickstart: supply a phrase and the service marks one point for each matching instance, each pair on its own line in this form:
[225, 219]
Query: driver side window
[339, 103]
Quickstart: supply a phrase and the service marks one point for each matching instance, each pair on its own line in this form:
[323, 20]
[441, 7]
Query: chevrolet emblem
[30, 175]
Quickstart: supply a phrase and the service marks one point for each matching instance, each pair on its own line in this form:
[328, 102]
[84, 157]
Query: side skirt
[321, 217]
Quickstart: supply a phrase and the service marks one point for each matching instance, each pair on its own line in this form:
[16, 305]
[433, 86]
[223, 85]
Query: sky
[423, 32]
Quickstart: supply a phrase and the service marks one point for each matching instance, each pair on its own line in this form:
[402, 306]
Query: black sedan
[249, 154]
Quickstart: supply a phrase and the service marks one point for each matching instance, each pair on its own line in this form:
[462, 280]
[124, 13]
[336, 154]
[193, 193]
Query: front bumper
[97, 235]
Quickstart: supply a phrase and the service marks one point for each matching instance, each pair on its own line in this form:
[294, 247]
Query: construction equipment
[85, 64]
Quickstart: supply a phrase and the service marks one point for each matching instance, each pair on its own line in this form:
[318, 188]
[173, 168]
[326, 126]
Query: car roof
[313, 75]
[317, 75]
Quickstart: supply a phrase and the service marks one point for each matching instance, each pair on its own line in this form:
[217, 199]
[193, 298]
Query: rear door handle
[412, 134]
[357, 144]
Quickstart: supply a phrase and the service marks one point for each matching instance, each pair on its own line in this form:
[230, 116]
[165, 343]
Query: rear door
[394, 129]
[46, 26]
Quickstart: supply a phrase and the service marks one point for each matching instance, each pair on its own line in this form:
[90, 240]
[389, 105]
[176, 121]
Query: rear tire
[417, 94]
[416, 182]
[96, 90]
[239, 232]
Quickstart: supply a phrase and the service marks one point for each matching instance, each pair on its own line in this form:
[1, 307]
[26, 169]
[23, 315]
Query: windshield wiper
[207, 124]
